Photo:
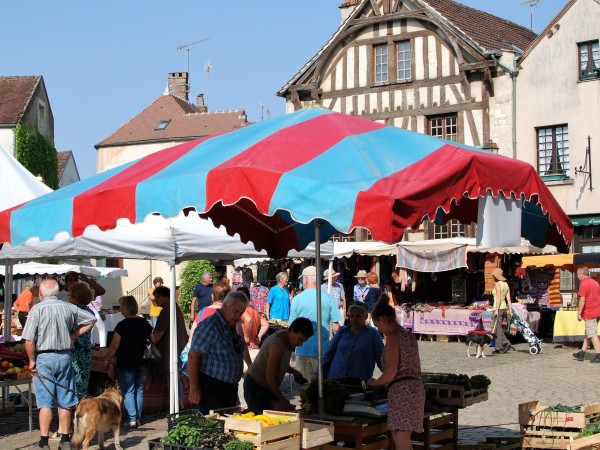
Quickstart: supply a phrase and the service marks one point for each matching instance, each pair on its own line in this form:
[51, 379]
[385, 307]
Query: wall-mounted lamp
[588, 161]
[490, 146]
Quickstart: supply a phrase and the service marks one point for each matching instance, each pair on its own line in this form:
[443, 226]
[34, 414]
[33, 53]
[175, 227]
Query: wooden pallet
[556, 439]
[440, 432]
[453, 395]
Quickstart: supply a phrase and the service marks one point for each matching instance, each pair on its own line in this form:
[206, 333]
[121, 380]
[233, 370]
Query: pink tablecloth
[454, 322]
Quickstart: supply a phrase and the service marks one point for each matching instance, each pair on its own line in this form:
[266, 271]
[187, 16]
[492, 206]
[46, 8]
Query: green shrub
[190, 276]
[35, 152]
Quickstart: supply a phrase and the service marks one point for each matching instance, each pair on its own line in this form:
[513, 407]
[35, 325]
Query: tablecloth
[452, 322]
[567, 328]
[112, 319]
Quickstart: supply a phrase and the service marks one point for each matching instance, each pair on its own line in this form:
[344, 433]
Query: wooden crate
[532, 414]
[361, 433]
[263, 435]
[440, 431]
[494, 443]
[316, 433]
[453, 395]
[559, 439]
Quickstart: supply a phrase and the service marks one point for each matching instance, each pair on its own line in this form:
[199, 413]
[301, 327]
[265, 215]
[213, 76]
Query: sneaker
[596, 359]
[579, 356]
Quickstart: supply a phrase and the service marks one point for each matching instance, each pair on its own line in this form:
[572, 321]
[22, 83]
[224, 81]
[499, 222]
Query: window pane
[553, 150]
[583, 57]
[381, 62]
[404, 60]
[596, 55]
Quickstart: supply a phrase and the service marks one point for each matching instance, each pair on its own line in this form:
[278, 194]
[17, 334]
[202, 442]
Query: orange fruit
[5, 364]
[25, 367]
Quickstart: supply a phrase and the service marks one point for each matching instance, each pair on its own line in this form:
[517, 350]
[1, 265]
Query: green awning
[585, 221]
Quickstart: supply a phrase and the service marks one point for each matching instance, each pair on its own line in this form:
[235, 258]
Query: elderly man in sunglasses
[216, 357]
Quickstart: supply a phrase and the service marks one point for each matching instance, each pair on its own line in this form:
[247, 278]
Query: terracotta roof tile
[490, 32]
[186, 122]
[63, 158]
[15, 93]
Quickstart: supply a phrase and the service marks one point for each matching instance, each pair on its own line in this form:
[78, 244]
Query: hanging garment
[491, 263]
[554, 297]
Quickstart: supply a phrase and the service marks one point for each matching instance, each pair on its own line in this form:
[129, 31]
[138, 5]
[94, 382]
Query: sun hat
[497, 272]
[310, 271]
[361, 274]
[326, 274]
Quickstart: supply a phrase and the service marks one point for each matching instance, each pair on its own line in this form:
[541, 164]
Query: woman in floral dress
[401, 376]
[81, 353]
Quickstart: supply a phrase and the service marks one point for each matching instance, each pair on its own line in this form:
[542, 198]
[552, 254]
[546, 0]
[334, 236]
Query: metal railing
[140, 292]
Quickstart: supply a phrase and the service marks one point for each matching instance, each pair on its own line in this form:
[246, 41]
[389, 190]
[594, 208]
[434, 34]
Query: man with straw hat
[502, 307]
[337, 292]
[361, 288]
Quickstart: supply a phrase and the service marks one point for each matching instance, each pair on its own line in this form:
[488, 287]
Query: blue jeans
[153, 320]
[132, 387]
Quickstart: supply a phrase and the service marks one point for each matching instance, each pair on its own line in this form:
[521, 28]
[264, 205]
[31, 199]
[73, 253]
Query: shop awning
[565, 262]
[585, 221]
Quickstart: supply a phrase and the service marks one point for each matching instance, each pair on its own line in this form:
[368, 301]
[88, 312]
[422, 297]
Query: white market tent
[35, 268]
[17, 184]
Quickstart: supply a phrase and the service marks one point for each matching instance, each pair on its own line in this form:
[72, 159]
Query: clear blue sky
[103, 62]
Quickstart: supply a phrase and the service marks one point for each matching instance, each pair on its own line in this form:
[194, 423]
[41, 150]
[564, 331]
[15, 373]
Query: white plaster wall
[111, 157]
[350, 60]
[7, 140]
[549, 93]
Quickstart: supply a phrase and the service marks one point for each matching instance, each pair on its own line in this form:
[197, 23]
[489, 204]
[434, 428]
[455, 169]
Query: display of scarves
[491, 263]
[554, 297]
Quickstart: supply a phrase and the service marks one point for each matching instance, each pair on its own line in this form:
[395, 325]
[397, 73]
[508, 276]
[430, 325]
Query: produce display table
[567, 328]
[4, 387]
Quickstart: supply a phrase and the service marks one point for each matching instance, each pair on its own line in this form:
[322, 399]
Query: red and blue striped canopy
[269, 181]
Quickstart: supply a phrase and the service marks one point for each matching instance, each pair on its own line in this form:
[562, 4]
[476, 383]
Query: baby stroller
[535, 343]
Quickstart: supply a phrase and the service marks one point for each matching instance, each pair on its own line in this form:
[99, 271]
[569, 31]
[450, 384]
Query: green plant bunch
[334, 397]
[189, 277]
[35, 152]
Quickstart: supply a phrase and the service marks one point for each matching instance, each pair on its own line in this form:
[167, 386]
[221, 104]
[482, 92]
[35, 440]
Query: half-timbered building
[432, 66]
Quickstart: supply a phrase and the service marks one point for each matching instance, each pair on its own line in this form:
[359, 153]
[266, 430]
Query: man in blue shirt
[361, 288]
[217, 354]
[305, 305]
[278, 302]
[202, 295]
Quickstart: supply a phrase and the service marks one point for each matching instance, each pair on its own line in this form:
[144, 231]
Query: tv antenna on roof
[208, 69]
[187, 47]
[531, 4]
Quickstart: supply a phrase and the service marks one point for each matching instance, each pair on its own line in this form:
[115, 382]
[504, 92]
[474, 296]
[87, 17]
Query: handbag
[151, 352]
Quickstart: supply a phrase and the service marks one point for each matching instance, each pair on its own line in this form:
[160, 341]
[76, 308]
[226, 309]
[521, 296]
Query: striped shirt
[51, 322]
[221, 348]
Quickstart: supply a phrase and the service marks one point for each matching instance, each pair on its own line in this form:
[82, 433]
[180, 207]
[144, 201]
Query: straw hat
[361, 274]
[326, 274]
[497, 272]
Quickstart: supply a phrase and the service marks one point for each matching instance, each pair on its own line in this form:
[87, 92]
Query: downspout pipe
[514, 72]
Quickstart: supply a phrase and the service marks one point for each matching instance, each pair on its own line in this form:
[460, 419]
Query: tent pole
[319, 315]
[174, 397]
[330, 278]
[8, 288]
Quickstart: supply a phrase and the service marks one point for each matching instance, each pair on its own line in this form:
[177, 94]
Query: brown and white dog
[98, 414]
[479, 339]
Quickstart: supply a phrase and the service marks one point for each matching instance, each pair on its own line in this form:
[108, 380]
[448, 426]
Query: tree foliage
[190, 276]
[35, 152]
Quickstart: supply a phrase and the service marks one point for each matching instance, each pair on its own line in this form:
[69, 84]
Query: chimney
[200, 103]
[178, 85]
[347, 8]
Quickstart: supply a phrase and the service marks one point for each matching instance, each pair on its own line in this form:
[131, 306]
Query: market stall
[566, 327]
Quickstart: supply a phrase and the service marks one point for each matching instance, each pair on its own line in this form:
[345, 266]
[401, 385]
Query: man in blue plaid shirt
[217, 354]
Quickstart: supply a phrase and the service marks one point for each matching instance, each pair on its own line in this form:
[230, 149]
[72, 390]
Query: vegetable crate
[155, 444]
[192, 417]
[316, 433]
[544, 428]
[440, 431]
[274, 437]
[454, 395]
[534, 414]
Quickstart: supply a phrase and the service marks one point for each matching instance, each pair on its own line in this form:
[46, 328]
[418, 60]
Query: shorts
[307, 366]
[57, 370]
[258, 398]
[591, 327]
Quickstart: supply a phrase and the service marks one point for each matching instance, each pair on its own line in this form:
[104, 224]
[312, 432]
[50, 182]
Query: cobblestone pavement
[551, 377]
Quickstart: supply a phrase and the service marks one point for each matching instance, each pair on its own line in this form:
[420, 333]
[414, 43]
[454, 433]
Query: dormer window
[162, 125]
[589, 60]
